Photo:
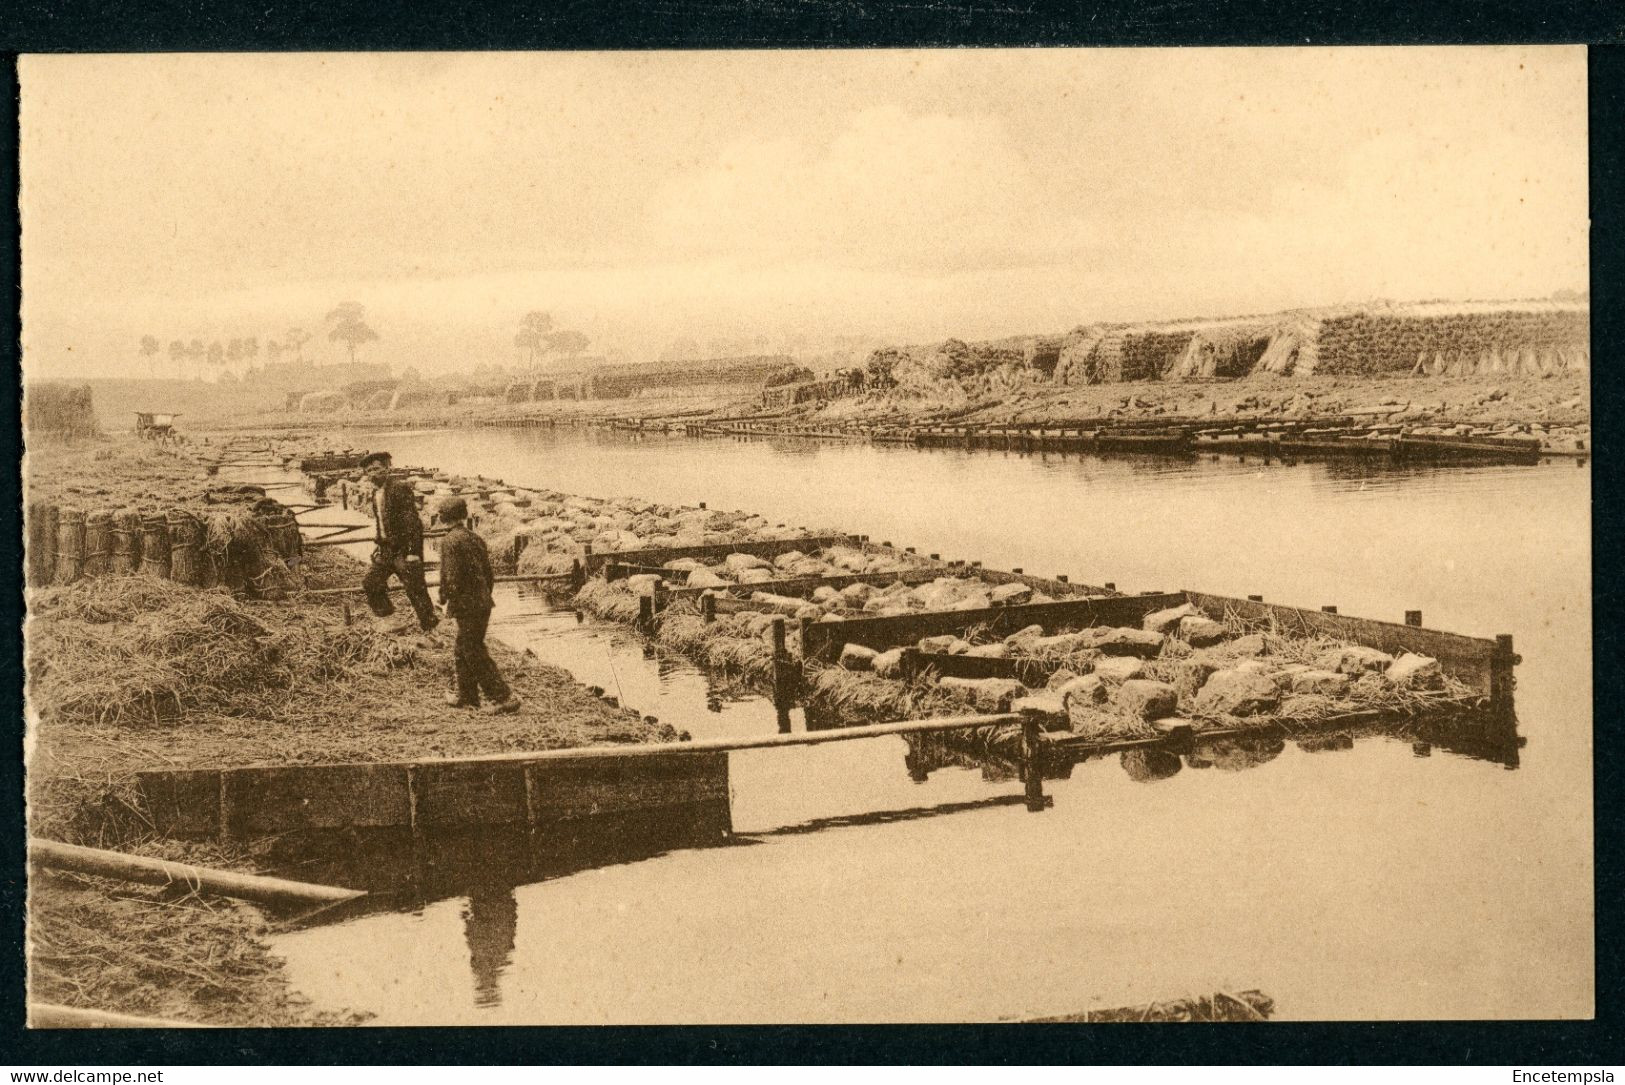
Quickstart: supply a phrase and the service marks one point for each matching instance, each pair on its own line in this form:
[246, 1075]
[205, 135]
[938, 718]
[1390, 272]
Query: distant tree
[531, 339]
[149, 350]
[568, 343]
[273, 352]
[195, 353]
[350, 327]
[217, 355]
[177, 354]
[295, 340]
[251, 349]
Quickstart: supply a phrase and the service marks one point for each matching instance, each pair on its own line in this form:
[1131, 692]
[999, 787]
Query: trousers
[476, 671]
[410, 574]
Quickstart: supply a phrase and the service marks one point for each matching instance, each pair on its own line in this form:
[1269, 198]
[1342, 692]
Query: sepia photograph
[802, 537]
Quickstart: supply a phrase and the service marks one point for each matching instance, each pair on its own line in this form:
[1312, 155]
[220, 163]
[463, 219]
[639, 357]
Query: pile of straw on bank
[135, 650]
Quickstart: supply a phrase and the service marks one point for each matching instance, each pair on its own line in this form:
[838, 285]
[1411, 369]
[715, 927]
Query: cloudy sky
[897, 195]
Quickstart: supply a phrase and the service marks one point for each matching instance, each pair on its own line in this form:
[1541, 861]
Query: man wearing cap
[399, 553]
[465, 589]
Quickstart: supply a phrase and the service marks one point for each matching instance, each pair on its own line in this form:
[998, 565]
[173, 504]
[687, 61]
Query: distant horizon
[560, 364]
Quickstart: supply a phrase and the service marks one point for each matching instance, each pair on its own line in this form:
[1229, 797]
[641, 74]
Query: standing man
[399, 552]
[465, 589]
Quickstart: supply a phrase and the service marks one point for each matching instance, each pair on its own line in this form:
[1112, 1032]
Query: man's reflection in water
[490, 919]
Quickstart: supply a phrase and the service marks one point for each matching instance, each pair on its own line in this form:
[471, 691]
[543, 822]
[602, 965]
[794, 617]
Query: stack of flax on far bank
[198, 535]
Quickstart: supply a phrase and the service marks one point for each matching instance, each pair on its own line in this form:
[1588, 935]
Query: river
[1390, 880]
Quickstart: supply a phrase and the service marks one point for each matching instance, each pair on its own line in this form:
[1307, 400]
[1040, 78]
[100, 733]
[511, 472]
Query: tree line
[536, 340]
[348, 325]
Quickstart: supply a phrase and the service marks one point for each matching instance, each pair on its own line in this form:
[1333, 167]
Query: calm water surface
[1371, 882]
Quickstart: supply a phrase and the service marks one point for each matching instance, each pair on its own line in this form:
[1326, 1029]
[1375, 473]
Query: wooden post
[578, 575]
[708, 609]
[784, 682]
[1329, 609]
[1031, 758]
[646, 613]
[1501, 683]
[1413, 617]
[1256, 598]
[1016, 569]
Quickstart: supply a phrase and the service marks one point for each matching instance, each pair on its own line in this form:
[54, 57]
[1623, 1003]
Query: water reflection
[1149, 766]
[1479, 550]
[490, 920]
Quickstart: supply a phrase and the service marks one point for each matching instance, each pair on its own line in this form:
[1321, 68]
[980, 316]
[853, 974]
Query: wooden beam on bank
[51, 1015]
[522, 578]
[136, 868]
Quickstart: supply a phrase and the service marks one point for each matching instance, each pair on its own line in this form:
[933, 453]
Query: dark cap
[452, 508]
[375, 457]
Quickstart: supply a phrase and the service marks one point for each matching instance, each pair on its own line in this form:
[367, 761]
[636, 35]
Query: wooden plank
[1034, 673]
[823, 640]
[182, 802]
[806, 585]
[606, 784]
[1472, 660]
[265, 801]
[451, 794]
[711, 554]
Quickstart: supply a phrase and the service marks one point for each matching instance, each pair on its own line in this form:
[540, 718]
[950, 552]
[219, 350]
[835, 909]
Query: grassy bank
[125, 673]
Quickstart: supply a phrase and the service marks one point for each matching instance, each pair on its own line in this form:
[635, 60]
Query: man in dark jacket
[465, 589]
[399, 553]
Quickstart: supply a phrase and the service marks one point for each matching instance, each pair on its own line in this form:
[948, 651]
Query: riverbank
[133, 672]
[1555, 409]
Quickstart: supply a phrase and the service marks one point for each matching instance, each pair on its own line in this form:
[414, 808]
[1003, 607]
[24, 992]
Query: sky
[791, 198]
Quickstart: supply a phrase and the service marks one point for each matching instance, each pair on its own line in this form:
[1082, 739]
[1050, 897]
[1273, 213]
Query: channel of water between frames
[1356, 875]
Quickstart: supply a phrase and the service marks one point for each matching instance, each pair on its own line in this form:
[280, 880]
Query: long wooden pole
[50, 1015]
[135, 868]
[756, 742]
[524, 578]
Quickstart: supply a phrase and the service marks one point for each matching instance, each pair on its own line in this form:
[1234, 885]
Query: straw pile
[59, 411]
[98, 944]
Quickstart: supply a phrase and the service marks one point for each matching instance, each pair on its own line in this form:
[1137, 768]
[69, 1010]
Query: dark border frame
[173, 25]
